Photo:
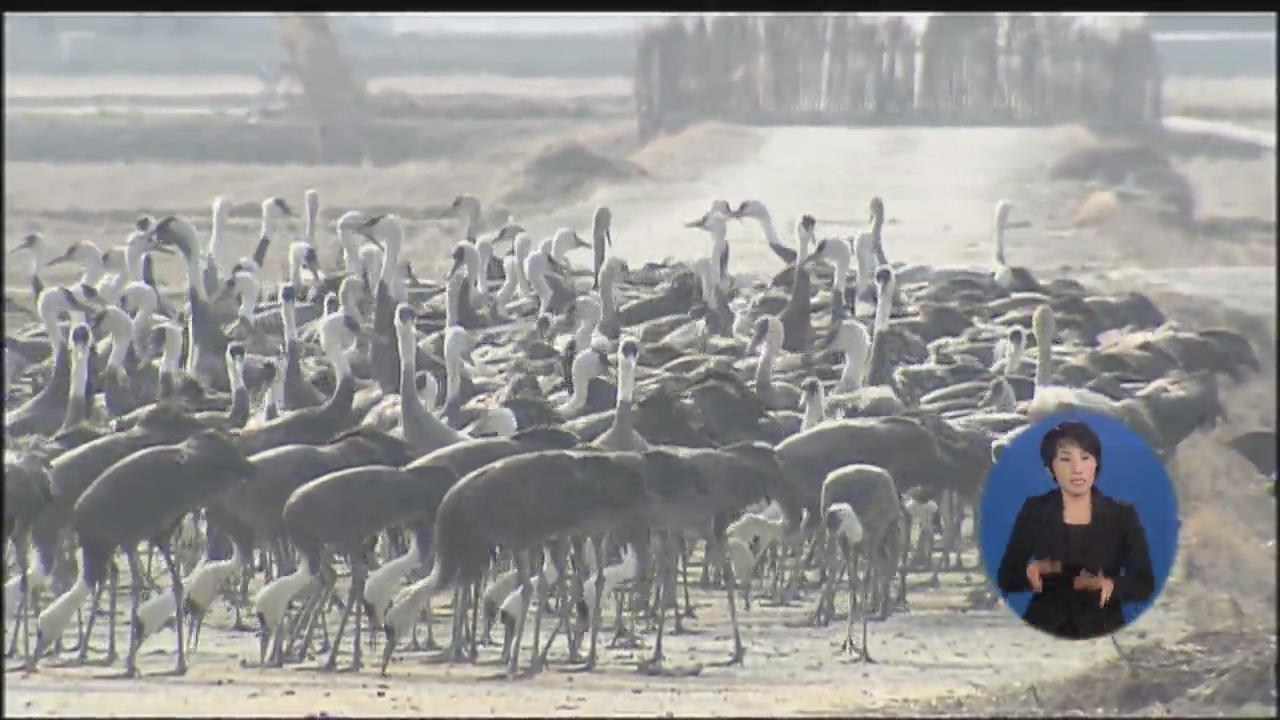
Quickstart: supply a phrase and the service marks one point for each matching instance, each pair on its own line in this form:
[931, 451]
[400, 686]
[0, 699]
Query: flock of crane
[594, 425]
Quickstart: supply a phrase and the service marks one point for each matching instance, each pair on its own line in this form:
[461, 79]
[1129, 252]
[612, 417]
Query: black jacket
[1113, 539]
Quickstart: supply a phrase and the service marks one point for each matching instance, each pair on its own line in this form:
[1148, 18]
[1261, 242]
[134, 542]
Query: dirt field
[939, 186]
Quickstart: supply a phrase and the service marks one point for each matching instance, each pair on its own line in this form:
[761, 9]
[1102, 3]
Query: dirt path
[935, 651]
[939, 187]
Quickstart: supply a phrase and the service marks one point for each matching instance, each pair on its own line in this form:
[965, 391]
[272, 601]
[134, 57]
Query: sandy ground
[939, 186]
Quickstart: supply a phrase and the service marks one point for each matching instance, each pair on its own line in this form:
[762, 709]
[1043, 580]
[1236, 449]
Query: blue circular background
[1131, 471]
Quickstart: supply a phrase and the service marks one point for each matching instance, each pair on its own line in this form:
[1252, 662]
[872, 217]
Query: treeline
[966, 68]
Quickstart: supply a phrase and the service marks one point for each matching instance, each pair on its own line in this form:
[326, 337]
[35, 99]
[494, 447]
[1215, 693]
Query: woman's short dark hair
[1075, 432]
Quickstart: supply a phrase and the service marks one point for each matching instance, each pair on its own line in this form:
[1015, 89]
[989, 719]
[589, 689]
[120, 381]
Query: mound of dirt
[1141, 174]
[566, 168]
[1108, 162]
[1231, 672]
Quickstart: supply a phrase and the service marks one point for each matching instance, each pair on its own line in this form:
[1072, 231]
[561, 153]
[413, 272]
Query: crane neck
[852, 375]
[884, 305]
[509, 284]
[813, 411]
[289, 321]
[195, 277]
[295, 271]
[120, 340]
[337, 357]
[452, 380]
[839, 279]
[1044, 361]
[309, 224]
[586, 326]
[608, 306]
[626, 383]
[77, 395]
[581, 378]
[770, 232]
[764, 370]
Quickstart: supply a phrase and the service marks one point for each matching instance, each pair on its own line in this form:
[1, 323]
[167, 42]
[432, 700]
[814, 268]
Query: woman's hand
[1088, 581]
[1039, 568]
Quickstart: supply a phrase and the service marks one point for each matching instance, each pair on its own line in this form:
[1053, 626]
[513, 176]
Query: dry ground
[939, 186]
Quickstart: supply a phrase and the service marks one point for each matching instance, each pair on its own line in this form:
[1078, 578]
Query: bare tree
[335, 98]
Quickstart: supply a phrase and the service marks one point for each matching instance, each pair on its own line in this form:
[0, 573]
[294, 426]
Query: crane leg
[564, 589]
[577, 589]
[540, 586]
[862, 613]
[671, 583]
[20, 621]
[790, 559]
[111, 613]
[849, 645]
[242, 600]
[656, 661]
[181, 667]
[475, 618]
[429, 620]
[357, 585]
[826, 599]
[336, 643]
[739, 652]
[303, 624]
[455, 652]
[597, 607]
[685, 551]
[508, 634]
[88, 629]
[526, 593]
[264, 640]
[285, 628]
[135, 593]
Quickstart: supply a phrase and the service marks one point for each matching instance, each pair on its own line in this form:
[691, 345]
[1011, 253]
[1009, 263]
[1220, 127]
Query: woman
[1069, 545]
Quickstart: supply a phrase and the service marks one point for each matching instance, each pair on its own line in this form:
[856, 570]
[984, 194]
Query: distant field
[1192, 95]
[48, 86]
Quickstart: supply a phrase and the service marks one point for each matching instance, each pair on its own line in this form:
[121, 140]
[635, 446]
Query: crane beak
[1017, 224]
[457, 263]
[699, 223]
[608, 237]
[578, 242]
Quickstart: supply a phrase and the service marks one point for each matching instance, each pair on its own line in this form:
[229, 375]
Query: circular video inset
[1079, 525]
